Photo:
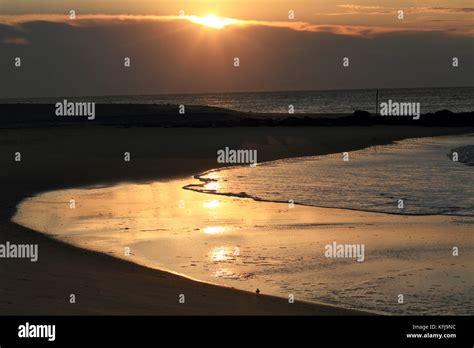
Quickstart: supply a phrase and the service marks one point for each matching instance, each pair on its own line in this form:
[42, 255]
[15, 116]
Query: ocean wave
[405, 178]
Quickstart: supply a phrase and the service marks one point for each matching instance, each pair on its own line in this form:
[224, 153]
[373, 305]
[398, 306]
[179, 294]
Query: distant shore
[63, 157]
[169, 116]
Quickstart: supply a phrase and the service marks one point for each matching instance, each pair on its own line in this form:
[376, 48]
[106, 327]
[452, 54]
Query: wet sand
[55, 158]
[275, 247]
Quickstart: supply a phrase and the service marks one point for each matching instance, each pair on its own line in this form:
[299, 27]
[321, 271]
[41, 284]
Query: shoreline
[55, 238]
[331, 223]
[325, 308]
[278, 305]
[203, 181]
[32, 305]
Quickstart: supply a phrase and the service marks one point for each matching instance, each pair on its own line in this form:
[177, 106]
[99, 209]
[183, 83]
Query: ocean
[410, 177]
[456, 99]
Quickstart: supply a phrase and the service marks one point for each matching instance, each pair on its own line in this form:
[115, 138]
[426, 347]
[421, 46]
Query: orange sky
[172, 54]
[431, 14]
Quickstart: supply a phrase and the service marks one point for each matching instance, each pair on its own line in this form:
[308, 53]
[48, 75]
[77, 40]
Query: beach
[281, 249]
[224, 167]
[94, 156]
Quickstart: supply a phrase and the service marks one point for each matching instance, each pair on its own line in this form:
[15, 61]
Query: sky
[174, 47]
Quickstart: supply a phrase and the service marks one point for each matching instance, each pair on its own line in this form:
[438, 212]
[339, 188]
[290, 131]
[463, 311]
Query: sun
[213, 21]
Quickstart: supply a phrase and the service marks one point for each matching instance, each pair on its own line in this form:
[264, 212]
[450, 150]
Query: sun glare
[213, 229]
[213, 21]
[211, 204]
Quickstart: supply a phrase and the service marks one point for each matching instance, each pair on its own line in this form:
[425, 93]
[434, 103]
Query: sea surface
[456, 99]
[414, 176]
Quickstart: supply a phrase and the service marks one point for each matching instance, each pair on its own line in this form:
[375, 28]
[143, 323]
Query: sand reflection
[280, 250]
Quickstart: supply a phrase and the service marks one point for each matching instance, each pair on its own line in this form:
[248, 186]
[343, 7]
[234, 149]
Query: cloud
[384, 10]
[86, 57]
[376, 9]
[360, 7]
[99, 20]
[82, 20]
[355, 31]
[452, 9]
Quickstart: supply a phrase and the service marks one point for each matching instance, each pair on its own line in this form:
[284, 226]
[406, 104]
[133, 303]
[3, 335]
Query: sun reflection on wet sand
[211, 204]
[248, 245]
[212, 186]
[219, 254]
[213, 229]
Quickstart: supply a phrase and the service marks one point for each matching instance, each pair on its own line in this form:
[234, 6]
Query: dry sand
[61, 158]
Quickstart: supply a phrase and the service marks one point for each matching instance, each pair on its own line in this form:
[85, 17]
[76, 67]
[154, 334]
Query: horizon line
[239, 92]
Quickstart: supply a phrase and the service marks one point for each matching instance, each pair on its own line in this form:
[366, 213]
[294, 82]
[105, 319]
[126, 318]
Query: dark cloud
[454, 9]
[61, 59]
